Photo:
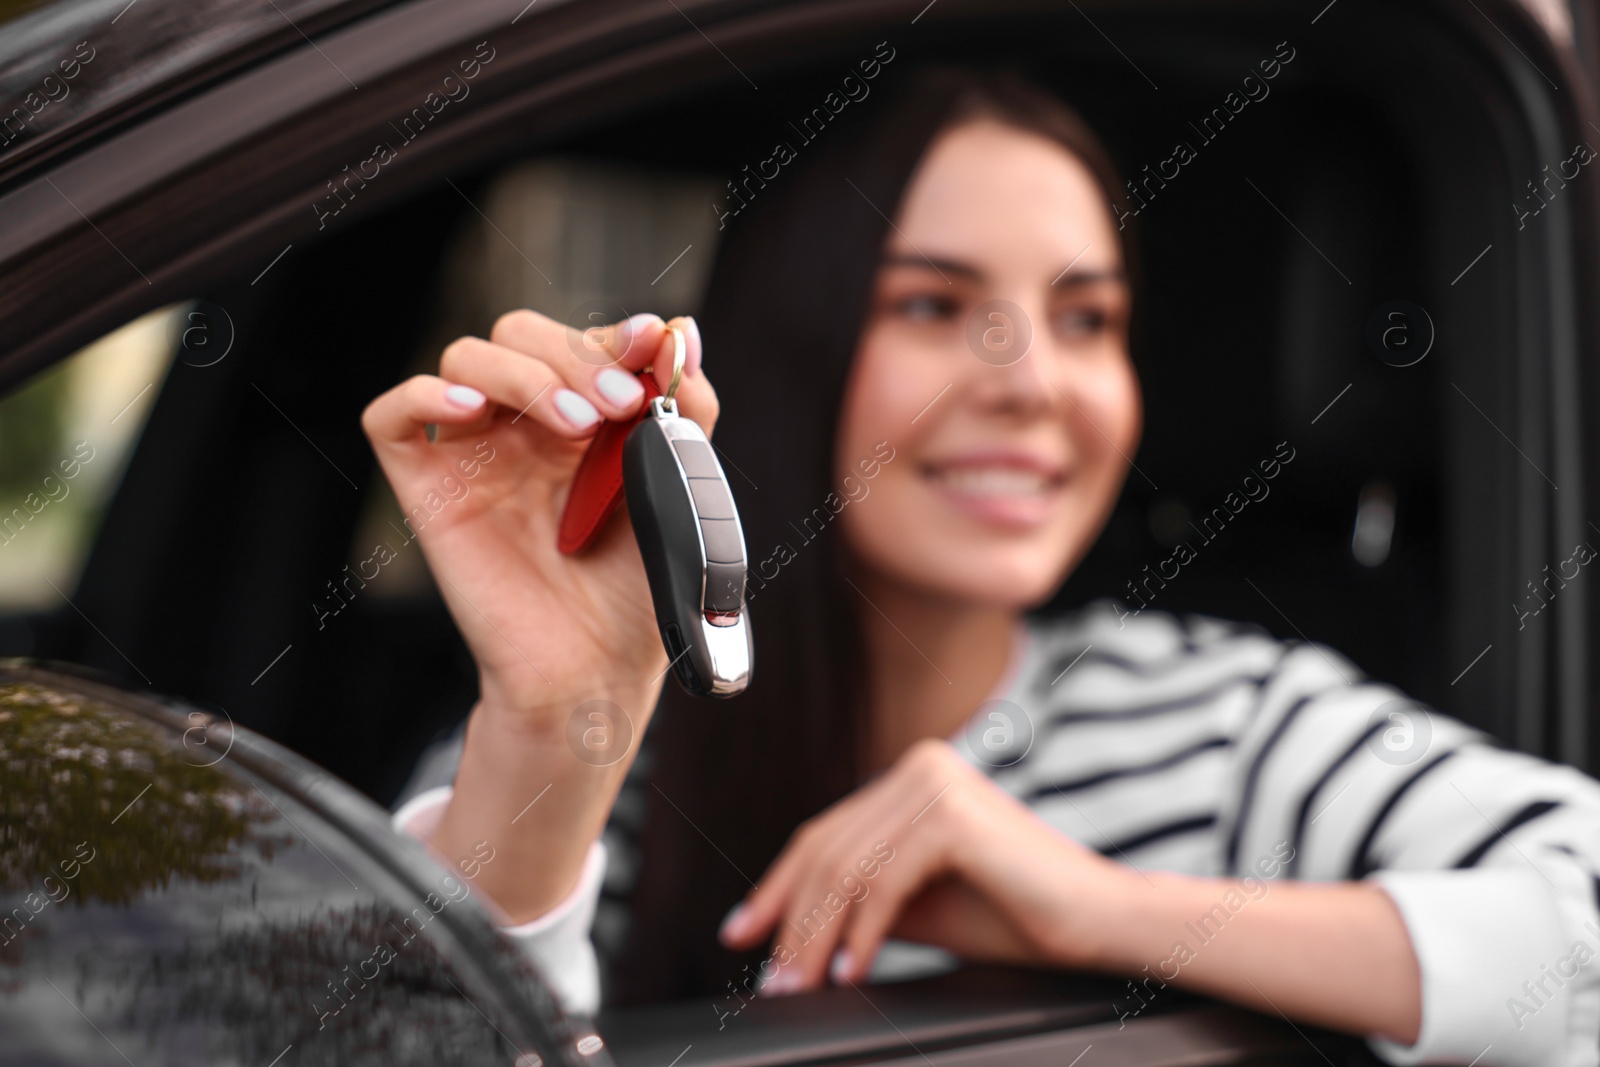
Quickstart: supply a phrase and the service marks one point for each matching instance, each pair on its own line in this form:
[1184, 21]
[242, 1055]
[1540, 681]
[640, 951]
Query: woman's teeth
[993, 481]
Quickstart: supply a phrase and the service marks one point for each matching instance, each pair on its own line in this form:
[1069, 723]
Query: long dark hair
[729, 781]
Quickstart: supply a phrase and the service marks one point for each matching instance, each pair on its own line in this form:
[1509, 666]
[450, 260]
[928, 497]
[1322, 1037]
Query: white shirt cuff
[1479, 935]
[558, 941]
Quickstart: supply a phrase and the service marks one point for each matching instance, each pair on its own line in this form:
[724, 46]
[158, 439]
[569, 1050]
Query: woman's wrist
[1134, 918]
[533, 719]
[1105, 919]
[534, 789]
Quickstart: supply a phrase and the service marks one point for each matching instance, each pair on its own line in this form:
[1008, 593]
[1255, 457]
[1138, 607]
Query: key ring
[680, 356]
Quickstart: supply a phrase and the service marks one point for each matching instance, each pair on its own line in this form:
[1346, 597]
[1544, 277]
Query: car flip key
[688, 532]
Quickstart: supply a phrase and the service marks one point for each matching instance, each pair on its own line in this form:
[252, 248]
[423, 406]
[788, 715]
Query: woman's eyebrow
[1089, 277]
[943, 266]
[1070, 277]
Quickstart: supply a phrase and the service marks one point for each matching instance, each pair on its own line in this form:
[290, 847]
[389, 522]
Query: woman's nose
[1013, 357]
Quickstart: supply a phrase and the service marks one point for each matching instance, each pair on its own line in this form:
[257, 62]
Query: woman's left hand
[931, 851]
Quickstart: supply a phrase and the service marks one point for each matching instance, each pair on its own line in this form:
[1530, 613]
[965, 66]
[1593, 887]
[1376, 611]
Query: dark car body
[180, 890]
[205, 153]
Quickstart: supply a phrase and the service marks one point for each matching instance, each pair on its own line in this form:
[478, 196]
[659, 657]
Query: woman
[1134, 803]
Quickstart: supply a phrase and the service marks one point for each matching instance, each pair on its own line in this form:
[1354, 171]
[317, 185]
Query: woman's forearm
[530, 798]
[1332, 954]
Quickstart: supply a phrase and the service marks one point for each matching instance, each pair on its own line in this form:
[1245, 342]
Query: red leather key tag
[597, 485]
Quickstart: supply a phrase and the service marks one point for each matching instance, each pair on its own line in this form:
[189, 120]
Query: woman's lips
[1013, 491]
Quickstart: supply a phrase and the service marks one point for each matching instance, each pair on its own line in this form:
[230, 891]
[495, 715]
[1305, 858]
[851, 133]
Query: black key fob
[693, 548]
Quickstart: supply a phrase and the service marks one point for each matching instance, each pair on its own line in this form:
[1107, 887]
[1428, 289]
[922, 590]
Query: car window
[162, 904]
[65, 436]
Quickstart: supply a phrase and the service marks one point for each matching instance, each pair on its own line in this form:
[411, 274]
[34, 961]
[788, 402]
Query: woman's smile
[1006, 488]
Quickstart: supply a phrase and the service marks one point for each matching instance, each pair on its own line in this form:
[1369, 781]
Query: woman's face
[994, 362]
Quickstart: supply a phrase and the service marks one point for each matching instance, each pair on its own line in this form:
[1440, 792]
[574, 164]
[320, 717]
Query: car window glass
[65, 436]
[161, 905]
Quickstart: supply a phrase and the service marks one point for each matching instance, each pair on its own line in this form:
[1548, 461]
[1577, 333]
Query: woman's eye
[926, 308]
[1081, 322]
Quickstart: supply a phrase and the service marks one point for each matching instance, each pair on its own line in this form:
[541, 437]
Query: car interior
[1419, 509]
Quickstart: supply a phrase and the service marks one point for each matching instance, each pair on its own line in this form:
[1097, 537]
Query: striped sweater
[1210, 748]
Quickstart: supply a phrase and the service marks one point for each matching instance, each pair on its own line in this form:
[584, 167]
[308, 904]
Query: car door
[180, 890]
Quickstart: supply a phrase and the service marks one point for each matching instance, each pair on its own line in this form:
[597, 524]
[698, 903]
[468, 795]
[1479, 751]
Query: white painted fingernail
[733, 921]
[619, 387]
[697, 349]
[575, 409]
[843, 966]
[786, 981]
[464, 396]
[634, 323]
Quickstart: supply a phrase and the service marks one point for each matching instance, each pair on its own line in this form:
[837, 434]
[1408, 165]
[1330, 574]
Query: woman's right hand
[548, 631]
[545, 629]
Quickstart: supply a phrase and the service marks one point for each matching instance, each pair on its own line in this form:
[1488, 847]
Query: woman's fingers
[813, 923]
[599, 375]
[845, 882]
[542, 379]
[602, 365]
[527, 387]
[749, 923]
[831, 878]
[810, 848]
[633, 344]
[815, 845]
[645, 342]
[401, 416]
[872, 917]
[806, 898]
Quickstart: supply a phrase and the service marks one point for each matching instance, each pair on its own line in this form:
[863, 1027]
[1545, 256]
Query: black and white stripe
[1169, 728]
